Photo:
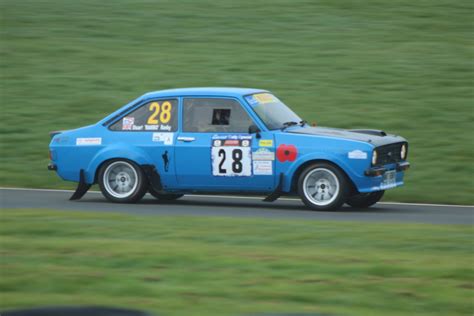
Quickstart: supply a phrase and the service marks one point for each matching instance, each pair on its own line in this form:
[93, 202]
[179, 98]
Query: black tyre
[323, 187]
[122, 181]
[363, 200]
[164, 196]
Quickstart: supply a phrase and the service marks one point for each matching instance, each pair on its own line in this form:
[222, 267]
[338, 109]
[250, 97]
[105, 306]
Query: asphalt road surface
[237, 206]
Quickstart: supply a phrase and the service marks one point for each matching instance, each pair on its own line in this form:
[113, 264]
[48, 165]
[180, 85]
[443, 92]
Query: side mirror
[253, 129]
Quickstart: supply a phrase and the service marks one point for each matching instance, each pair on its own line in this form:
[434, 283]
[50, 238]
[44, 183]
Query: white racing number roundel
[231, 157]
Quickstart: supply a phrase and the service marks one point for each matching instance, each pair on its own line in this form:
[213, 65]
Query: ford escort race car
[226, 140]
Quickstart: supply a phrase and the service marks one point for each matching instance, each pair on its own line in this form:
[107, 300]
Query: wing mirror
[253, 129]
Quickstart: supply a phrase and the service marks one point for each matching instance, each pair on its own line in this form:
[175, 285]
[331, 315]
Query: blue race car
[226, 140]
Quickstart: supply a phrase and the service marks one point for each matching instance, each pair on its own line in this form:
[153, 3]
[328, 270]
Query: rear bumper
[378, 171]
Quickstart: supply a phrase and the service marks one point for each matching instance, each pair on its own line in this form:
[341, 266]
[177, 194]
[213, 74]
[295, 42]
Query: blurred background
[402, 66]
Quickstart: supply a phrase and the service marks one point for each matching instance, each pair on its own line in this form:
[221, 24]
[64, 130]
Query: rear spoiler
[54, 133]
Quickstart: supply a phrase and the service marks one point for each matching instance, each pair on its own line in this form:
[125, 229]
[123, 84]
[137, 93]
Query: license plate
[389, 179]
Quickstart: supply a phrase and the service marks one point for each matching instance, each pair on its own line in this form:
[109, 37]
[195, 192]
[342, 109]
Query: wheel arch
[296, 174]
[128, 153]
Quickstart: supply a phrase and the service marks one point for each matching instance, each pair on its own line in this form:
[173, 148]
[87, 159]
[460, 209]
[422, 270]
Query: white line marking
[426, 204]
[240, 197]
[43, 190]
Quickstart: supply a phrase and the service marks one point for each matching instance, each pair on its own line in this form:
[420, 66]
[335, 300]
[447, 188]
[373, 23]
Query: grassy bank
[402, 66]
[220, 266]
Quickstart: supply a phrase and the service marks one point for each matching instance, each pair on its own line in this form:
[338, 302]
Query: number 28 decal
[236, 158]
[231, 160]
[158, 117]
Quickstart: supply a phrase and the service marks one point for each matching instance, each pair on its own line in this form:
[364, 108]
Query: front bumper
[379, 171]
[373, 178]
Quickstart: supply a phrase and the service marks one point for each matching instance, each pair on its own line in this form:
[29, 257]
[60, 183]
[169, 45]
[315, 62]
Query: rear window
[158, 115]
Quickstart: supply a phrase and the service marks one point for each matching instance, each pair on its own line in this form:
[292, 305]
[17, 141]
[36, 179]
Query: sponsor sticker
[165, 138]
[232, 142]
[151, 127]
[224, 137]
[60, 140]
[127, 123]
[89, 141]
[265, 143]
[357, 154]
[262, 168]
[286, 153]
[165, 128]
[263, 154]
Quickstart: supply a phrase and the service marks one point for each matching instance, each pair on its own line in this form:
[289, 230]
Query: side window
[159, 115]
[215, 115]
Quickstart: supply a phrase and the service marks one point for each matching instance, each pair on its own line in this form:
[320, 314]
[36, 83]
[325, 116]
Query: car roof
[202, 91]
[182, 92]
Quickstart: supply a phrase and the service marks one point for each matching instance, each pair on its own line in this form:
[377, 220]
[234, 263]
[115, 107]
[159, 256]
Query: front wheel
[323, 187]
[363, 200]
[122, 181]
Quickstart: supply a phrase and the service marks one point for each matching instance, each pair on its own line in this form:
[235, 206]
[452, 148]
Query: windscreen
[274, 113]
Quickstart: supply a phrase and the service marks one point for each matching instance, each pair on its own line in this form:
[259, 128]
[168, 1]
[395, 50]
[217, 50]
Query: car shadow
[283, 205]
[280, 205]
[227, 204]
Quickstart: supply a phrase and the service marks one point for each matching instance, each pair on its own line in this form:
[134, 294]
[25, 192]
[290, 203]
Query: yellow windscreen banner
[263, 98]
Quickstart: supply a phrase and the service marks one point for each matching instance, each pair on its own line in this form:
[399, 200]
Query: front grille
[389, 153]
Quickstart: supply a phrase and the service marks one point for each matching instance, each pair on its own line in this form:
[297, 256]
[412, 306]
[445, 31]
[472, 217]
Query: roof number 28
[165, 114]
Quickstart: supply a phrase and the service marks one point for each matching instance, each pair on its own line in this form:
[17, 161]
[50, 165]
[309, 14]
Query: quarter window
[209, 115]
[158, 115]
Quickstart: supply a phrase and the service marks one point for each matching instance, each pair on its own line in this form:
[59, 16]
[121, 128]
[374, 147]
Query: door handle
[186, 139]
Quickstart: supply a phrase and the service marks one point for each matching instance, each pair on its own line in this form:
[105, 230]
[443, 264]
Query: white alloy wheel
[120, 179]
[321, 186]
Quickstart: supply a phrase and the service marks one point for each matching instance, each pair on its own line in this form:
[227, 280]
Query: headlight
[374, 157]
[403, 152]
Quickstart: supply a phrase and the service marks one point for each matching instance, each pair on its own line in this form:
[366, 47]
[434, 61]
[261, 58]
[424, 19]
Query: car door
[215, 152]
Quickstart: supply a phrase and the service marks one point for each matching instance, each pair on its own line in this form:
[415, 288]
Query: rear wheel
[122, 181]
[363, 200]
[165, 196]
[322, 187]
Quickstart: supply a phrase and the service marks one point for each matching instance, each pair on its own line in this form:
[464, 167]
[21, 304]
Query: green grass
[220, 266]
[403, 66]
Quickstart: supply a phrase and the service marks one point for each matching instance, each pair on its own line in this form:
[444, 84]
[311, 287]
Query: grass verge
[221, 266]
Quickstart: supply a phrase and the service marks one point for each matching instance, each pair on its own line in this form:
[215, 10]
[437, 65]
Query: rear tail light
[52, 155]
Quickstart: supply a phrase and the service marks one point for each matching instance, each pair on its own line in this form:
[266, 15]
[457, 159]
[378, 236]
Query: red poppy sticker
[286, 153]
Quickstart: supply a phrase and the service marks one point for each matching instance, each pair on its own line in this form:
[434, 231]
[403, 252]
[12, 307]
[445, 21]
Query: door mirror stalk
[253, 129]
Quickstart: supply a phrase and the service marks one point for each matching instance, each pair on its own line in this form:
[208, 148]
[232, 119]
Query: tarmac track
[237, 206]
